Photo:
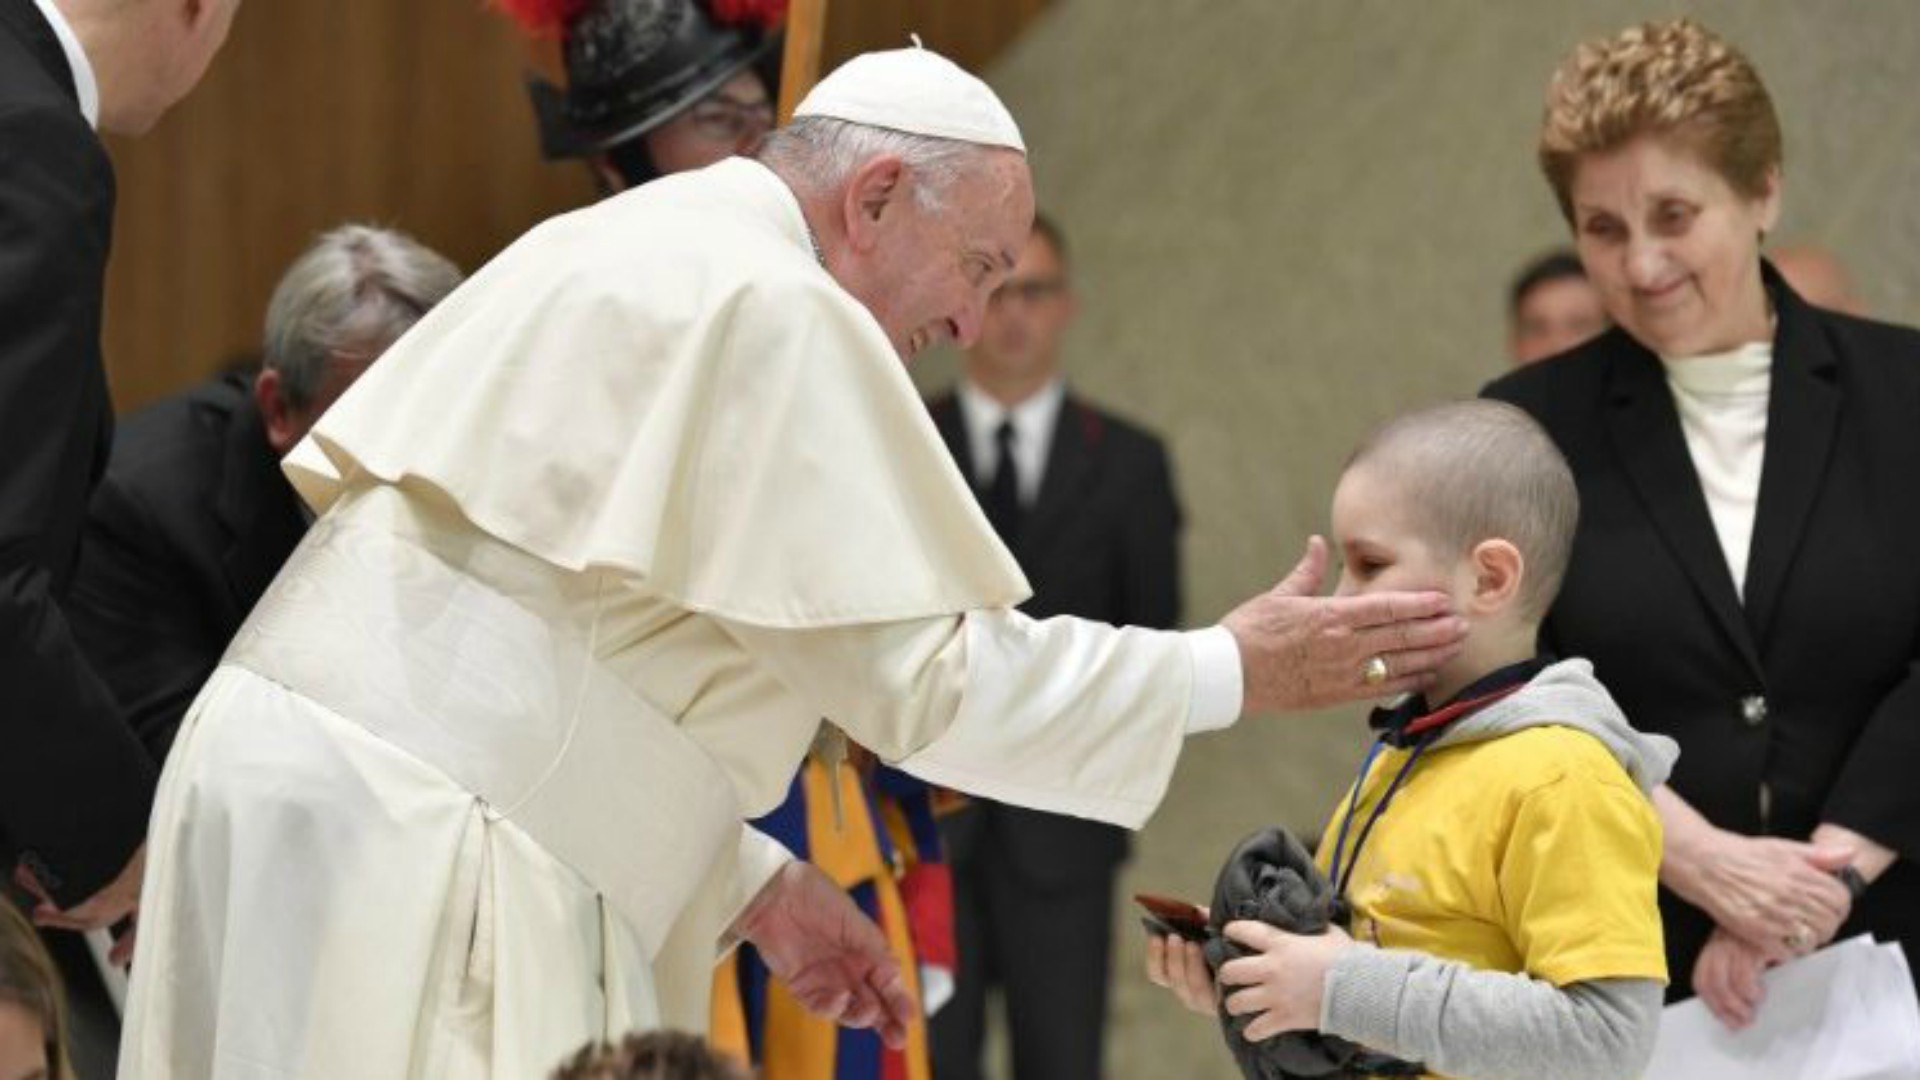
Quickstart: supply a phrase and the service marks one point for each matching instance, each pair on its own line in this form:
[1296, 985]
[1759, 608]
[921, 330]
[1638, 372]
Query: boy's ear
[1498, 569]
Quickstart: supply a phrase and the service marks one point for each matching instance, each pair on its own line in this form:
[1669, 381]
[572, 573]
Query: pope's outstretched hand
[1300, 650]
[831, 957]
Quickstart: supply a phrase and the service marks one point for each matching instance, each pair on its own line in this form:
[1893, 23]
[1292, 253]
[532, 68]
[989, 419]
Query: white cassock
[603, 539]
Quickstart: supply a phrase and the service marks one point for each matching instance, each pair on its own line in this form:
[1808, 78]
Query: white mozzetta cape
[601, 541]
[668, 384]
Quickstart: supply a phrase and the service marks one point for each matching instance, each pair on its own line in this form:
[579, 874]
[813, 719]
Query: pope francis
[601, 542]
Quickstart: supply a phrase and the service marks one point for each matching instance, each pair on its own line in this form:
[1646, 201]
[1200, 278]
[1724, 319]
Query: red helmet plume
[764, 13]
[543, 18]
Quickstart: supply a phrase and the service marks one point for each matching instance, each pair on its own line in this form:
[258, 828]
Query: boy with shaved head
[1498, 853]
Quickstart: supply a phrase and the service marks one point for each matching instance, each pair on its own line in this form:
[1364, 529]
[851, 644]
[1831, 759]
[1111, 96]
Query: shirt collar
[1033, 422]
[1031, 418]
[1746, 370]
[1404, 720]
[85, 86]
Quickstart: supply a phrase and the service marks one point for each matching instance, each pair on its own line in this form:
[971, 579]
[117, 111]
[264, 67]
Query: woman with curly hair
[1743, 578]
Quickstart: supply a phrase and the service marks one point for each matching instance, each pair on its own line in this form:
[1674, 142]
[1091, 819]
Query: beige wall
[1293, 219]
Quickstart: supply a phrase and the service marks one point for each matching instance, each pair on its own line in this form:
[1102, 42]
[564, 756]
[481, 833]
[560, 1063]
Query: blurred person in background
[33, 1011]
[1551, 307]
[1085, 501]
[653, 87]
[194, 517]
[1818, 276]
[653, 1055]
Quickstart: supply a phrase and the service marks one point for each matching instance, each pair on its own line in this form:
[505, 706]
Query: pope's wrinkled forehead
[992, 205]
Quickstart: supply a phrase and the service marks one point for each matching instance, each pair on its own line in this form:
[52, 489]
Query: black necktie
[1003, 491]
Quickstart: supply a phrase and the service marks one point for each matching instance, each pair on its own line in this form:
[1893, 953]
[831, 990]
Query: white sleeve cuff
[1217, 680]
[757, 858]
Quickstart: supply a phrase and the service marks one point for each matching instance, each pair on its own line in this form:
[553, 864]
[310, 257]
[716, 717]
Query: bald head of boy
[1469, 498]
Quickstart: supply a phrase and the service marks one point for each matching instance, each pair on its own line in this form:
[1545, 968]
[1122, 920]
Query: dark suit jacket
[74, 785]
[189, 527]
[1802, 704]
[1101, 542]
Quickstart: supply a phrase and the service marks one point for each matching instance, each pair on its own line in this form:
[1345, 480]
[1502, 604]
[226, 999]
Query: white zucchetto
[917, 91]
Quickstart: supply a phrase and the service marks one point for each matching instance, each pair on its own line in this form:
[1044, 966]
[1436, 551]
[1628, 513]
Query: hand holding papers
[1847, 1012]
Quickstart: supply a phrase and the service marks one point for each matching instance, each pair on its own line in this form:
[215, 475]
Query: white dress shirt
[1033, 423]
[85, 86]
[1722, 401]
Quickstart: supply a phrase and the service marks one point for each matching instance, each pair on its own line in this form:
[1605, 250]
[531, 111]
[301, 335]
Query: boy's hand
[1285, 982]
[1727, 977]
[1181, 966]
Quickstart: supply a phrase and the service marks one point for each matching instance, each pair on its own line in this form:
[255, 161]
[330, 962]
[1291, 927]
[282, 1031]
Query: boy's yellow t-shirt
[1529, 852]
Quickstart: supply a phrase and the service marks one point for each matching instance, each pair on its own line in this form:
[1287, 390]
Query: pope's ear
[873, 194]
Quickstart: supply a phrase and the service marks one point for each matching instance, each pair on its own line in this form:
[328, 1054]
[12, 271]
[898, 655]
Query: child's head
[1469, 498]
[33, 1015]
[652, 1055]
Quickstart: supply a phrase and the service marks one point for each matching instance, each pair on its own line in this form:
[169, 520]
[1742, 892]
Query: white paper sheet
[1847, 1012]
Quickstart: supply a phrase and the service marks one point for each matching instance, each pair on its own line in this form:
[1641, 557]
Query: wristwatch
[1855, 882]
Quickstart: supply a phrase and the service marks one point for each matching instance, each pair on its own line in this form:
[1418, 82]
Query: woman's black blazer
[1800, 704]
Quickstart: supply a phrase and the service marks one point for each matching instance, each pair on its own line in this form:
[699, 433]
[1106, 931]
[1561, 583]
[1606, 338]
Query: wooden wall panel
[408, 113]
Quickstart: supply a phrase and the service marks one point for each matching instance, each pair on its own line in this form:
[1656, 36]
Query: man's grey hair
[1471, 471]
[817, 154]
[353, 293]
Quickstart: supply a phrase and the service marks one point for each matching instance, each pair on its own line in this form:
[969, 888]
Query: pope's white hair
[817, 154]
[356, 290]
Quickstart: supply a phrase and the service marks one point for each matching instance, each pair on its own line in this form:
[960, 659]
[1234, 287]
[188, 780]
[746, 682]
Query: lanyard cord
[1426, 729]
[1353, 803]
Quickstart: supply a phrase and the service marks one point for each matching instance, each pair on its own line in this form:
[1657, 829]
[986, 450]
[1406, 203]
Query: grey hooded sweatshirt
[1492, 1025]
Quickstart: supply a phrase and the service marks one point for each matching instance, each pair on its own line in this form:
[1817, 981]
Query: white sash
[479, 660]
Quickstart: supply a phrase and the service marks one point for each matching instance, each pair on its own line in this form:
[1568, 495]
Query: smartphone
[1166, 915]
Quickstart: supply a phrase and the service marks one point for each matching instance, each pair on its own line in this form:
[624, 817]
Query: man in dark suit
[74, 785]
[1085, 501]
[194, 517]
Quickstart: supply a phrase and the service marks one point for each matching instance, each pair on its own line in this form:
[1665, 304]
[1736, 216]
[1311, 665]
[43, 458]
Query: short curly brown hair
[653, 1055]
[1674, 78]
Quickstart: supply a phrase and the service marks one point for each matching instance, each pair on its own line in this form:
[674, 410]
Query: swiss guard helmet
[632, 65]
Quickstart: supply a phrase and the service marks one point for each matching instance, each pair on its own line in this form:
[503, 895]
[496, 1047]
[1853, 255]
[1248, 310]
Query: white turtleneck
[1722, 401]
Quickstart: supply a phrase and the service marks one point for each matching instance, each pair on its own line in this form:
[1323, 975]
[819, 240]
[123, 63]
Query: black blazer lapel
[23, 21]
[1645, 429]
[1803, 412]
[1075, 451]
[258, 508]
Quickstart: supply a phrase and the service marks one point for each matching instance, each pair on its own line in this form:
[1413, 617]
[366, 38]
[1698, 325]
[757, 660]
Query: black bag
[1271, 878]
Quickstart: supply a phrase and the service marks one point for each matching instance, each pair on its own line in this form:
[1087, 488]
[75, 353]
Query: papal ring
[1374, 671]
[1801, 939]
